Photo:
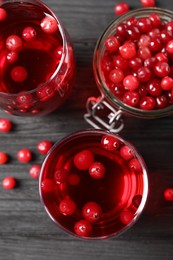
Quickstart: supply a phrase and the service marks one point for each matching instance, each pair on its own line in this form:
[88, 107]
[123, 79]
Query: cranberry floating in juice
[93, 184]
[36, 59]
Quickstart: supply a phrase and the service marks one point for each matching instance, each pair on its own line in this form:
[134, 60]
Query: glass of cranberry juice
[36, 59]
[93, 184]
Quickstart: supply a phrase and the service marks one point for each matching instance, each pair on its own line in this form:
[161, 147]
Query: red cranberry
[147, 103]
[5, 125]
[83, 159]
[167, 83]
[14, 43]
[47, 185]
[58, 53]
[83, 228]
[160, 56]
[112, 44]
[3, 158]
[132, 21]
[155, 45]
[24, 155]
[92, 212]
[144, 24]
[45, 93]
[169, 47]
[126, 153]
[135, 63]
[61, 175]
[3, 14]
[127, 50]
[168, 194]
[137, 200]
[144, 40]
[169, 28]
[44, 146]
[49, 25]
[149, 63]
[19, 74]
[142, 90]
[162, 101]
[155, 19]
[135, 165]
[121, 30]
[29, 34]
[120, 62]
[133, 33]
[67, 206]
[8, 183]
[130, 82]
[107, 64]
[35, 171]
[117, 90]
[161, 69]
[154, 87]
[73, 179]
[143, 74]
[144, 53]
[154, 33]
[116, 75]
[121, 8]
[165, 37]
[110, 143]
[24, 100]
[148, 3]
[131, 98]
[12, 56]
[97, 170]
[126, 216]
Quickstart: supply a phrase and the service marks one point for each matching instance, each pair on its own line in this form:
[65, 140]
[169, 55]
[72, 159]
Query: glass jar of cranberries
[133, 68]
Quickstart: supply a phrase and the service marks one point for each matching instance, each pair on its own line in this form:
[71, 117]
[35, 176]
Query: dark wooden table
[26, 232]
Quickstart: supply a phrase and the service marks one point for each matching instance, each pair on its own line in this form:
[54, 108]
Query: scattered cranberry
[61, 175]
[110, 143]
[92, 212]
[44, 146]
[12, 56]
[8, 183]
[83, 228]
[47, 185]
[24, 155]
[3, 14]
[148, 3]
[19, 74]
[126, 216]
[5, 125]
[3, 158]
[168, 194]
[49, 25]
[137, 200]
[35, 171]
[126, 153]
[121, 8]
[73, 179]
[83, 159]
[67, 206]
[97, 170]
[14, 43]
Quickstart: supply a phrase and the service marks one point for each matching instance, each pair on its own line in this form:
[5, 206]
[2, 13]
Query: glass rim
[83, 133]
[137, 112]
[64, 45]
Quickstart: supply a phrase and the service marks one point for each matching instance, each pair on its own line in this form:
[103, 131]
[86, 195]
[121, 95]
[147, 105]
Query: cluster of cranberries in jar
[137, 62]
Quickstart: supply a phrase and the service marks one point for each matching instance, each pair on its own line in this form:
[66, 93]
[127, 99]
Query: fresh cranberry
[24, 100]
[5, 125]
[143, 74]
[149, 62]
[14, 43]
[121, 30]
[83, 228]
[160, 56]
[133, 33]
[127, 50]
[97, 170]
[147, 103]
[132, 21]
[47, 185]
[49, 25]
[73, 179]
[58, 53]
[126, 153]
[19, 74]
[144, 52]
[162, 101]
[142, 90]
[117, 89]
[144, 24]
[110, 143]
[29, 34]
[12, 56]
[107, 64]
[168, 194]
[44, 146]
[169, 47]
[67, 206]
[167, 83]
[120, 62]
[144, 40]
[126, 216]
[154, 87]
[148, 3]
[131, 98]
[3, 14]
[130, 82]
[83, 159]
[164, 36]
[135, 165]
[24, 155]
[3, 158]
[92, 212]
[8, 183]
[169, 28]
[155, 19]
[45, 93]
[61, 175]
[35, 171]
[116, 75]
[161, 69]
[135, 63]
[136, 201]
[154, 33]
[155, 45]
[112, 44]
[121, 8]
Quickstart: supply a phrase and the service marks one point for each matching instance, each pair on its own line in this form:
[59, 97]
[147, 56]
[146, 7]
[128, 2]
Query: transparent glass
[121, 193]
[48, 59]
[165, 15]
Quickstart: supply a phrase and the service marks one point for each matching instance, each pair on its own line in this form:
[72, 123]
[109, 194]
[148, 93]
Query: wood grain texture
[26, 232]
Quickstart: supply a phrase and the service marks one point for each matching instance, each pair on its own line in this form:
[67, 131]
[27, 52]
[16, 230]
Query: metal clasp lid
[101, 114]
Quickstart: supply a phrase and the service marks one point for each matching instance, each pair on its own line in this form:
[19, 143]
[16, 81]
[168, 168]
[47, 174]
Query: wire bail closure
[101, 114]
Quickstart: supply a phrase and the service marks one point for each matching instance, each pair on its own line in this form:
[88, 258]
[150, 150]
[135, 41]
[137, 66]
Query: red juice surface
[122, 189]
[49, 76]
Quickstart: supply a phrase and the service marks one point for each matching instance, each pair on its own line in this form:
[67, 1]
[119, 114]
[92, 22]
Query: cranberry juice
[36, 59]
[93, 184]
